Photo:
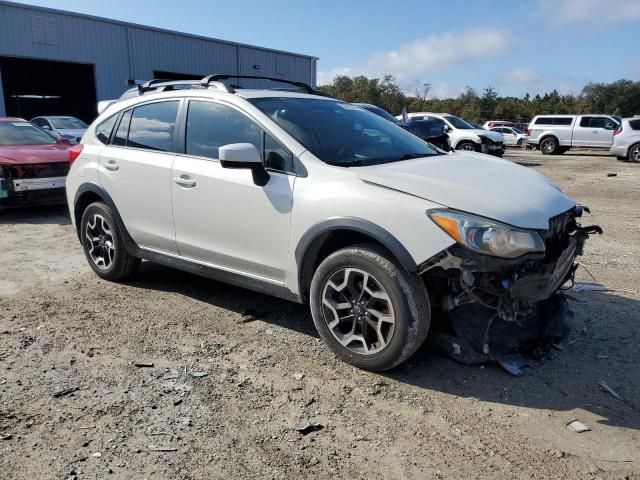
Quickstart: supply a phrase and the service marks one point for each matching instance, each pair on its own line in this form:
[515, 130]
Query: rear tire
[103, 245]
[549, 146]
[390, 318]
[634, 153]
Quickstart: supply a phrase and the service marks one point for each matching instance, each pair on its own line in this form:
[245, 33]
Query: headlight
[486, 236]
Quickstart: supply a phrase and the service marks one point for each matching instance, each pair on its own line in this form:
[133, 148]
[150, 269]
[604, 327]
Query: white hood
[495, 136]
[475, 183]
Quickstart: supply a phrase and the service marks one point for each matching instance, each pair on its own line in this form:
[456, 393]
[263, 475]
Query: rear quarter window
[103, 131]
[634, 124]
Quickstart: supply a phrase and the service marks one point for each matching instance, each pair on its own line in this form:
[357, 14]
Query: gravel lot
[225, 392]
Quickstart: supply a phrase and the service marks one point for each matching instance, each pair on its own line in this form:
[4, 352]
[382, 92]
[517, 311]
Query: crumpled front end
[41, 183]
[506, 310]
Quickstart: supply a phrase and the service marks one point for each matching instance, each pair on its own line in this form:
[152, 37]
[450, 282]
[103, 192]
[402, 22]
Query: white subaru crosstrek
[315, 200]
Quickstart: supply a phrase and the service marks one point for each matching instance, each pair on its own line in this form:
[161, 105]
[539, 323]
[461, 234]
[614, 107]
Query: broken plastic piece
[578, 427]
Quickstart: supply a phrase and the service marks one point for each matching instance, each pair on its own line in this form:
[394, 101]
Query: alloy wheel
[548, 146]
[358, 311]
[469, 147]
[634, 154]
[99, 242]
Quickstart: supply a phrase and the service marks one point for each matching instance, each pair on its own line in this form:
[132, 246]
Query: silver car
[512, 136]
[626, 140]
[71, 128]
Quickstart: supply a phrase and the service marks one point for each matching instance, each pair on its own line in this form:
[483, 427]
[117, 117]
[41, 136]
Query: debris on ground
[162, 449]
[65, 391]
[612, 174]
[608, 389]
[199, 374]
[96, 454]
[143, 364]
[473, 335]
[308, 426]
[251, 314]
[298, 376]
[578, 426]
[5, 436]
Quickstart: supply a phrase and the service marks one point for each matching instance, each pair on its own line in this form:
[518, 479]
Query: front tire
[370, 312]
[467, 146]
[103, 245]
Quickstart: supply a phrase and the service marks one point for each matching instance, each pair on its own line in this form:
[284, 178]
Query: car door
[221, 216]
[507, 133]
[135, 170]
[605, 127]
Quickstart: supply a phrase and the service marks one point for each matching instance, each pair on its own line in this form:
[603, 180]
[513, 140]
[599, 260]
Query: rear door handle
[111, 165]
[185, 181]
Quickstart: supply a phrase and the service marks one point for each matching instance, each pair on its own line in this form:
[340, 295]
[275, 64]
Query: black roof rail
[301, 85]
[146, 86]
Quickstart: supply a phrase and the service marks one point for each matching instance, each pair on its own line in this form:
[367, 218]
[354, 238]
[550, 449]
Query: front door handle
[111, 165]
[184, 181]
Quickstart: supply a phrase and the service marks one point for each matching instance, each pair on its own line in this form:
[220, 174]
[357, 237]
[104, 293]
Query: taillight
[527, 132]
[74, 152]
[617, 131]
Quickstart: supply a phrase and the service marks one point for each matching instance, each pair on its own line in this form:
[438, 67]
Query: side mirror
[65, 141]
[46, 127]
[244, 155]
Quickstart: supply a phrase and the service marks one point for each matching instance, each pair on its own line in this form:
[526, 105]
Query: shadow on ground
[603, 346]
[36, 215]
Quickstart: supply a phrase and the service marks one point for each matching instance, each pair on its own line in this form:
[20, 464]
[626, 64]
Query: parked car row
[463, 135]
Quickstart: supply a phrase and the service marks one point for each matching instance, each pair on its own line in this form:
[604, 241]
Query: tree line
[618, 98]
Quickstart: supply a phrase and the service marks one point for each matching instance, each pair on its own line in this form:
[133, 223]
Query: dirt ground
[225, 394]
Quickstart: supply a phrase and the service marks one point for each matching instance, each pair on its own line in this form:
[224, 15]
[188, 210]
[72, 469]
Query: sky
[517, 47]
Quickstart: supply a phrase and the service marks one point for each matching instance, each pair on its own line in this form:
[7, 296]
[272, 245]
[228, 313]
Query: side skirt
[209, 271]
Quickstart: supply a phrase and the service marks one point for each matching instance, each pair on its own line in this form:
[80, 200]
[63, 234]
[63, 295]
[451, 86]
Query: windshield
[23, 133]
[458, 122]
[343, 134]
[68, 123]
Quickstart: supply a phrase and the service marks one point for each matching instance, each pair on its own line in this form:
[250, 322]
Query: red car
[33, 164]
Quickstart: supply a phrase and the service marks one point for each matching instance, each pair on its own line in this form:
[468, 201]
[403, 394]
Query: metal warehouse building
[57, 62]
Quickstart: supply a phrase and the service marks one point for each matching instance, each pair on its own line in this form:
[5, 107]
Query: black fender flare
[353, 224]
[90, 187]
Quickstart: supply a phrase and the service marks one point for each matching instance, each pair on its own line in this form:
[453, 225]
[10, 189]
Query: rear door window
[152, 126]
[585, 122]
[562, 121]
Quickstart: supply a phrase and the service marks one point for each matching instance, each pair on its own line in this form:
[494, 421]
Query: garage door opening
[42, 87]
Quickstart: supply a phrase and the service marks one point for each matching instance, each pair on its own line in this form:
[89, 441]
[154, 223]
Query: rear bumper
[619, 151]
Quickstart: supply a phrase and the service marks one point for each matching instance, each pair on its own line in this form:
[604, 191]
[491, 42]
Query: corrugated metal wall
[120, 51]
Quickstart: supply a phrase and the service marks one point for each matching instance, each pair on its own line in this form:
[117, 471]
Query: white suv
[465, 136]
[316, 200]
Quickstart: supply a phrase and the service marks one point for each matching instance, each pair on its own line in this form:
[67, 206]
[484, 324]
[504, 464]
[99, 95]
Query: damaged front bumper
[32, 184]
[506, 310]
